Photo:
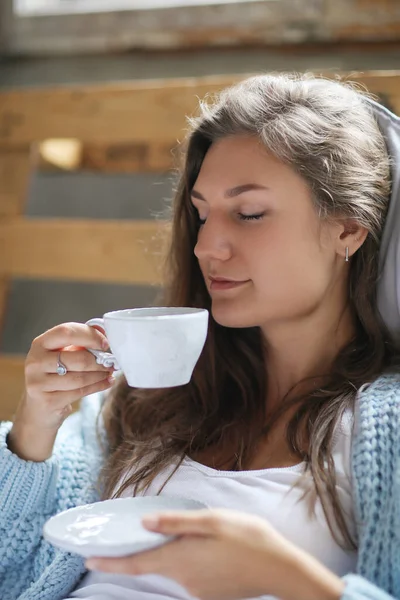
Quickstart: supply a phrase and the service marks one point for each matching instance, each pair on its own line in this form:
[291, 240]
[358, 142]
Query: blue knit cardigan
[31, 569]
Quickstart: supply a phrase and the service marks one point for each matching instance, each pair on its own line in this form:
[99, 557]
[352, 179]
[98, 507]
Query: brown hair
[325, 130]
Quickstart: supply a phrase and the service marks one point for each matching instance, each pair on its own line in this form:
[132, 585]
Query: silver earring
[346, 257]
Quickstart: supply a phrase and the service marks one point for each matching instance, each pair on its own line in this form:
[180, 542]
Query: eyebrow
[233, 192]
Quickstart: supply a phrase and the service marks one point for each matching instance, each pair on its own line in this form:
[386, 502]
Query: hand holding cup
[48, 396]
[154, 348]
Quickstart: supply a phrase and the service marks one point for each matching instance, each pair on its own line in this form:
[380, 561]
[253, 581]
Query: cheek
[292, 272]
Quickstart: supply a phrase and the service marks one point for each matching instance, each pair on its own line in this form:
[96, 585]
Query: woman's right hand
[48, 396]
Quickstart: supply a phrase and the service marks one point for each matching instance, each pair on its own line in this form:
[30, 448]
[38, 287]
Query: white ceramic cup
[154, 347]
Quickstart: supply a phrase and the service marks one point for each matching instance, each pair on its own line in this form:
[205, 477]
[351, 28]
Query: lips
[222, 283]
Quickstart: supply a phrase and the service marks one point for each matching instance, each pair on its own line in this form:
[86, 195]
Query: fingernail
[111, 379]
[104, 344]
[151, 521]
[91, 564]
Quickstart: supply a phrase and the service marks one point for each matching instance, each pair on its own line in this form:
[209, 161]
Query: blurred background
[93, 98]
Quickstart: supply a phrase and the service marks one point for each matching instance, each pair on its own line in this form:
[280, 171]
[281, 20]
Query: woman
[292, 414]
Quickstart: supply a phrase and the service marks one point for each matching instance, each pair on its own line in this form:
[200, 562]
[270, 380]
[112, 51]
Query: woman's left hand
[223, 554]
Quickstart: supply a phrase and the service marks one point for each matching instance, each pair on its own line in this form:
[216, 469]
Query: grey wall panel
[99, 196]
[34, 306]
[38, 71]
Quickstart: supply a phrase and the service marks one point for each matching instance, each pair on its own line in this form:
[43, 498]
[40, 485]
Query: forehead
[244, 152]
[239, 160]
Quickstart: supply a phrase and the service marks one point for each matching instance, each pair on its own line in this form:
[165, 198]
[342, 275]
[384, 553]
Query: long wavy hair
[325, 130]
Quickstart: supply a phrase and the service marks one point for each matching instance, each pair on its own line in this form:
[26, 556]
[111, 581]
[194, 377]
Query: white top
[267, 493]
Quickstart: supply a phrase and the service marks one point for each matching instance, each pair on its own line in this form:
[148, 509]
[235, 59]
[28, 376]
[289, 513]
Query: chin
[231, 317]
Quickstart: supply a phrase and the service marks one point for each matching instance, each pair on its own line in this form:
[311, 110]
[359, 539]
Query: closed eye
[241, 216]
[251, 217]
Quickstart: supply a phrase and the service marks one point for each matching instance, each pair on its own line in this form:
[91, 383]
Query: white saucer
[112, 527]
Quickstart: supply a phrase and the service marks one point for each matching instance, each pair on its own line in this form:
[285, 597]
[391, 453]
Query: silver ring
[61, 368]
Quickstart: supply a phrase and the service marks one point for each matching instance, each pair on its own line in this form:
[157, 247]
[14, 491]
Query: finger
[196, 522]
[78, 361]
[122, 566]
[57, 400]
[101, 329]
[73, 381]
[76, 334]
[151, 561]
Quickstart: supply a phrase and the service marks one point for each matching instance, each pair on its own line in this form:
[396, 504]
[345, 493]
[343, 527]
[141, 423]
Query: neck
[305, 349]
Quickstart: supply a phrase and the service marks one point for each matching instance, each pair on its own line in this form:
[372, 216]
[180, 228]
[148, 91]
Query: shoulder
[378, 404]
[376, 440]
[376, 476]
[377, 419]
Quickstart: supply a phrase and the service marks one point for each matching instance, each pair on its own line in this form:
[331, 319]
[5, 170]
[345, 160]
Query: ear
[351, 235]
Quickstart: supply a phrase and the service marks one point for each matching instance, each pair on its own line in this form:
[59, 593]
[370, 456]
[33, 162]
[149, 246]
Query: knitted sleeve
[31, 492]
[28, 496]
[376, 491]
[358, 588]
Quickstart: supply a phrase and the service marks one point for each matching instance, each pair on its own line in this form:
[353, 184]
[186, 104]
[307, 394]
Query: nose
[212, 241]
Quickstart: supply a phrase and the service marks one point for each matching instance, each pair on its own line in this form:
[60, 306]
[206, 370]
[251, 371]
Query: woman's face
[265, 255]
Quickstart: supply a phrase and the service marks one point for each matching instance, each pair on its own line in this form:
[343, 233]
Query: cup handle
[102, 358]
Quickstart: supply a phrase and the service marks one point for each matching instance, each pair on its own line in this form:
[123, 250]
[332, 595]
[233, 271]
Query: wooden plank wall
[118, 127]
[233, 24]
